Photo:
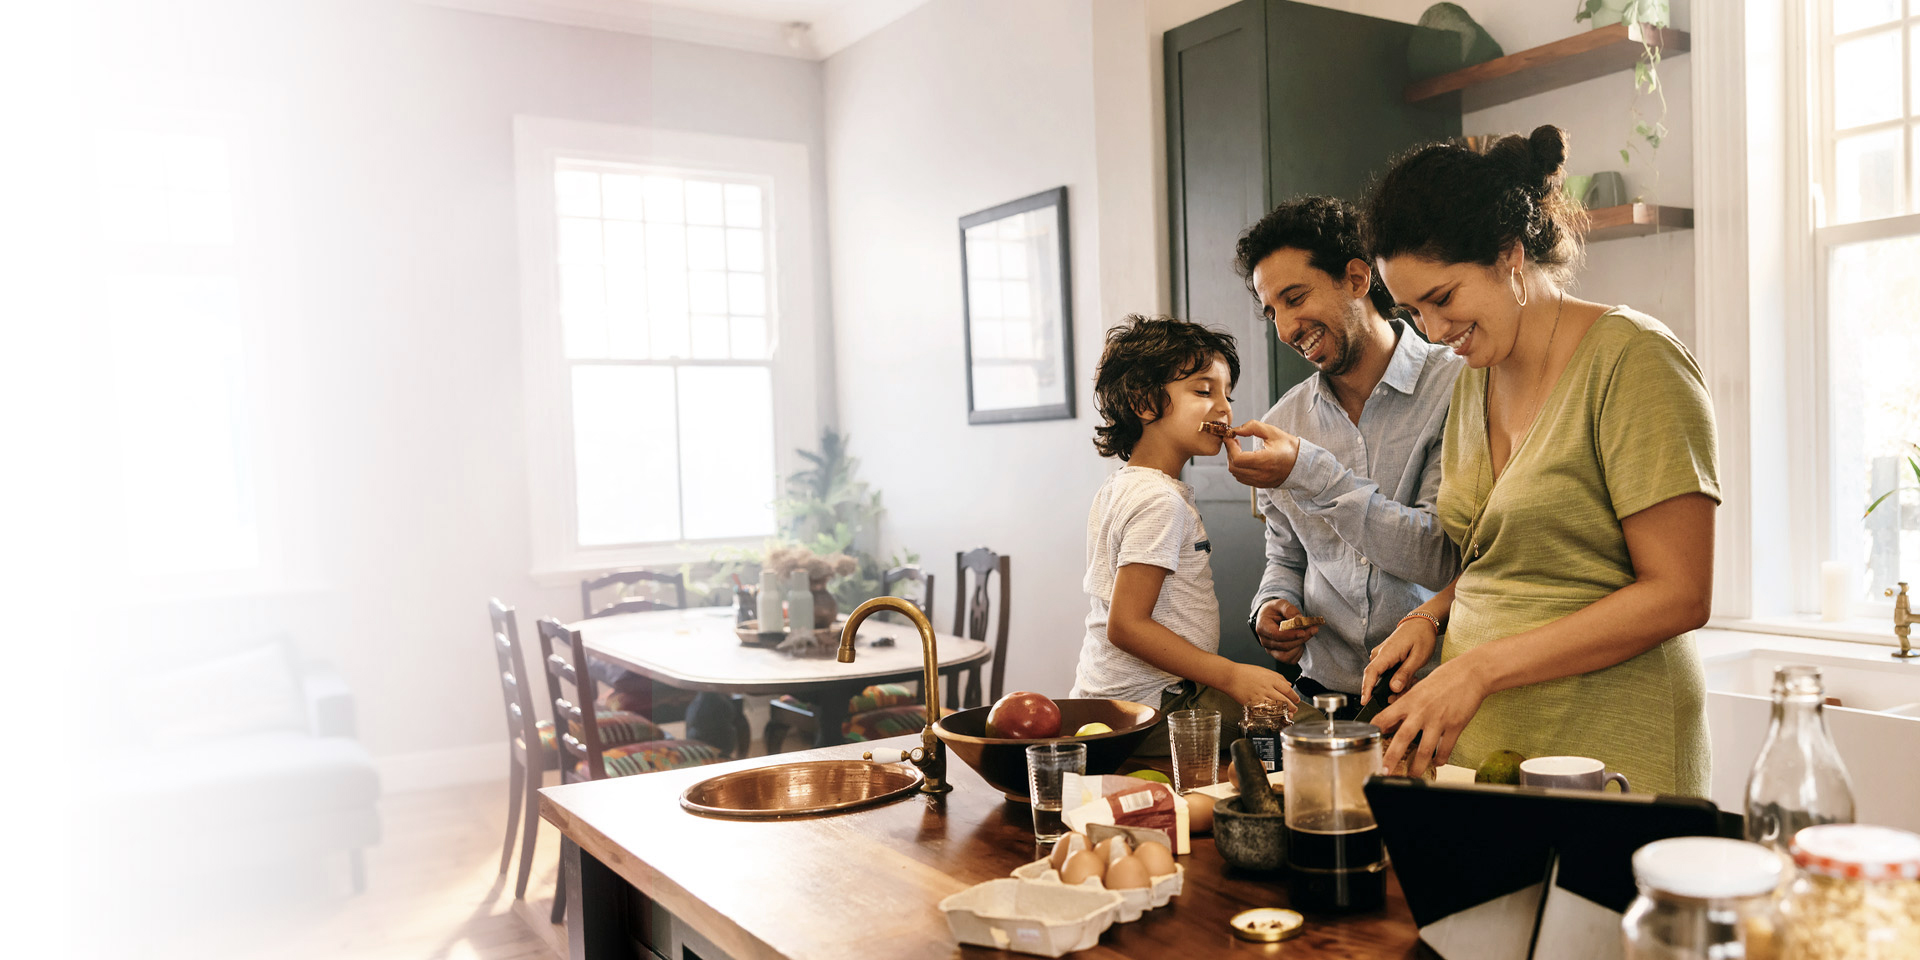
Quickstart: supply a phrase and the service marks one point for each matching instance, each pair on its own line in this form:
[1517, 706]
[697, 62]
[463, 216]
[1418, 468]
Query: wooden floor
[432, 894]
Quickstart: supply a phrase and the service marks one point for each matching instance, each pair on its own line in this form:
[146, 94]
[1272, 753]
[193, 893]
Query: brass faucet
[932, 755]
[1903, 621]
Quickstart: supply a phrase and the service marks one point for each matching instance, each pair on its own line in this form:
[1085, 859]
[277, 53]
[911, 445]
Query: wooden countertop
[868, 884]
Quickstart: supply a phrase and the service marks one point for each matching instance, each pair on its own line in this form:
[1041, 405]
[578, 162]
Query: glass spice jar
[1702, 898]
[1261, 724]
[1857, 896]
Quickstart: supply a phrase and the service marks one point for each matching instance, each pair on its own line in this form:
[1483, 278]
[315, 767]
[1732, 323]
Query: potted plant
[1646, 73]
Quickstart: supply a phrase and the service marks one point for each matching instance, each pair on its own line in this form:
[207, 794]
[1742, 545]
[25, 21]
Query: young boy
[1154, 624]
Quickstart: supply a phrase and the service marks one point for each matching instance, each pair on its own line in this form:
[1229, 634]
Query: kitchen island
[866, 885]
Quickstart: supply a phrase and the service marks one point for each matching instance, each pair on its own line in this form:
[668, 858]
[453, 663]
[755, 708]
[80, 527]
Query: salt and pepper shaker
[772, 601]
[800, 602]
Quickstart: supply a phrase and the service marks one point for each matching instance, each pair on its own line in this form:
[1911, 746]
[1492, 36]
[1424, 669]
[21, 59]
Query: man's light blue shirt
[1351, 532]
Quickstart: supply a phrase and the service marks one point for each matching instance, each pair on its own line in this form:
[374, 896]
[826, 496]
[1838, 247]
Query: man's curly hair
[1143, 355]
[1327, 228]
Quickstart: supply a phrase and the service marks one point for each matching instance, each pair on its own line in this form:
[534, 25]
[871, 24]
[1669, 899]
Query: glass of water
[1195, 742]
[1047, 767]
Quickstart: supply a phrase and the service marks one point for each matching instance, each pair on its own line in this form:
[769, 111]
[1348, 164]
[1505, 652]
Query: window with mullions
[1866, 124]
[667, 340]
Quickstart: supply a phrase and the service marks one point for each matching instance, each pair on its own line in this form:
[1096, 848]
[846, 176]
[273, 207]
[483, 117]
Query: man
[1349, 464]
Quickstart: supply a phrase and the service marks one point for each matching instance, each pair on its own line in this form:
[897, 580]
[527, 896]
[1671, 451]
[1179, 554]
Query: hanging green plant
[1647, 134]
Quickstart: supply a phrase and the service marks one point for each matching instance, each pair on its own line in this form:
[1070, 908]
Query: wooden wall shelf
[1636, 220]
[1583, 56]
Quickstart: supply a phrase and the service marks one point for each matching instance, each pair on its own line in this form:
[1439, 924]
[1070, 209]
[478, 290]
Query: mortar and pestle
[1250, 830]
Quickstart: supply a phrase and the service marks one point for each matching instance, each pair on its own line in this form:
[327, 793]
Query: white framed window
[174, 298]
[669, 338]
[1863, 127]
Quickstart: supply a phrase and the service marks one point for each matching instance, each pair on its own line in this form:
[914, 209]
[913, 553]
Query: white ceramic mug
[1568, 773]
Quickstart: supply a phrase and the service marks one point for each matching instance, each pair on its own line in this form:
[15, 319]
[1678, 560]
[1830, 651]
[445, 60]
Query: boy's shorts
[1192, 696]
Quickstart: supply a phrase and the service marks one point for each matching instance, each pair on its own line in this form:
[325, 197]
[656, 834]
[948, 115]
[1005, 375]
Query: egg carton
[1027, 916]
[1133, 902]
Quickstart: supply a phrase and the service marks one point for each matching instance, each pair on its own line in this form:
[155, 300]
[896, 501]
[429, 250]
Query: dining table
[701, 649]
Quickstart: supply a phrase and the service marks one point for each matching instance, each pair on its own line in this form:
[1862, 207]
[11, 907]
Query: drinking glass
[1047, 767]
[1195, 738]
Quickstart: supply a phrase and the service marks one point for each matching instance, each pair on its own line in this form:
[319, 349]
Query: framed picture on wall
[1016, 301]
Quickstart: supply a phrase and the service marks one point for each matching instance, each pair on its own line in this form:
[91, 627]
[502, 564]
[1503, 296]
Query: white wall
[395, 215]
[956, 107]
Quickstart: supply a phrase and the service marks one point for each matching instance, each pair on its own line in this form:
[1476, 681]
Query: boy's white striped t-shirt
[1142, 515]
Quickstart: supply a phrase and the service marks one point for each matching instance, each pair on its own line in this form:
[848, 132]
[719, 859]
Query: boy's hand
[1267, 467]
[1247, 683]
[1287, 646]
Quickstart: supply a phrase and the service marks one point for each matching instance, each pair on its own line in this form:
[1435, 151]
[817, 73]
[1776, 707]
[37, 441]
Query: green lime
[1154, 775]
[1501, 766]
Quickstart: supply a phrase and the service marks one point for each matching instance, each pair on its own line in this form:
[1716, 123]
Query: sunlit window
[668, 339]
[1868, 250]
[174, 352]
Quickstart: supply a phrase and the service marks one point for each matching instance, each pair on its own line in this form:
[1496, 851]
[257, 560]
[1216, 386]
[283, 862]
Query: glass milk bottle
[1798, 779]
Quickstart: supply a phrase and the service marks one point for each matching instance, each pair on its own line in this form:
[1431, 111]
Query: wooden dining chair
[525, 760]
[658, 701]
[972, 611]
[788, 714]
[623, 601]
[584, 752]
[532, 744]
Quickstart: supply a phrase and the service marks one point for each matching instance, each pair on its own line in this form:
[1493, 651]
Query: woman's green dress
[1628, 425]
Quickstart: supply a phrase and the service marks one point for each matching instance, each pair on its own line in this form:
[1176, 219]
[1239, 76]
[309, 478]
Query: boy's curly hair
[1142, 356]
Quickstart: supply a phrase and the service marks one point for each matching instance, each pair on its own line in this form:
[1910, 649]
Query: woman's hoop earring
[1518, 287]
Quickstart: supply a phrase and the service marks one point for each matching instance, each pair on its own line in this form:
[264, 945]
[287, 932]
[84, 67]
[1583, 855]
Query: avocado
[1501, 766]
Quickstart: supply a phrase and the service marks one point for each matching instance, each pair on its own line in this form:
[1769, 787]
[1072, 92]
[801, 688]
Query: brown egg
[1081, 866]
[1065, 847]
[1199, 813]
[1105, 849]
[1128, 873]
[1157, 859]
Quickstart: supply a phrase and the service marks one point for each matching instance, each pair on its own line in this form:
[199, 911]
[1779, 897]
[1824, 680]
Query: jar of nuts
[1857, 896]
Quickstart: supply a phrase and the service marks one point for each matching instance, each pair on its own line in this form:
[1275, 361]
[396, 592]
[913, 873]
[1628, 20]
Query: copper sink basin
[804, 789]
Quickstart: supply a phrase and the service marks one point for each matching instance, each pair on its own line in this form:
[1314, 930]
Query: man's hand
[1287, 646]
[1267, 467]
[1247, 683]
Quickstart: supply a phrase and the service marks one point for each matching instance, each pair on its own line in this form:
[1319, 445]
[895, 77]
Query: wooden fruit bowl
[1002, 761]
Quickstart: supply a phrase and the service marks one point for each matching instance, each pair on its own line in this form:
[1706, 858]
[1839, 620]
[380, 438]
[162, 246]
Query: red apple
[1023, 715]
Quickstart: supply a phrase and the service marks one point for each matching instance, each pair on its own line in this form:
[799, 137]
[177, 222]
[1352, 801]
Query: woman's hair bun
[1548, 146]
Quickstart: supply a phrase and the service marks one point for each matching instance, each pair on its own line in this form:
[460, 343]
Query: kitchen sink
[810, 788]
[1876, 726]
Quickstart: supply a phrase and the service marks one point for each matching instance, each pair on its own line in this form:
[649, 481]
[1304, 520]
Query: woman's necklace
[1486, 415]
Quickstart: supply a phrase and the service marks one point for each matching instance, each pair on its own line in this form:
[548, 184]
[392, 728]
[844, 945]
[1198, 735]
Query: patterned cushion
[632, 758]
[616, 728]
[876, 697]
[885, 722]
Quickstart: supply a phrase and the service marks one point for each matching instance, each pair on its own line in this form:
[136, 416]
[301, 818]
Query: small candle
[1836, 590]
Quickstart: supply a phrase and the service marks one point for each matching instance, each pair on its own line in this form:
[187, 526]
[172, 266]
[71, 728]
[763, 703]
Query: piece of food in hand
[1301, 623]
[1127, 873]
[1082, 865]
[1220, 430]
[1023, 715]
[1156, 858]
[1199, 813]
[1501, 766]
[1089, 729]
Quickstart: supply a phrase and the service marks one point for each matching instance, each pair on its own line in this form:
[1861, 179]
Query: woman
[1579, 479]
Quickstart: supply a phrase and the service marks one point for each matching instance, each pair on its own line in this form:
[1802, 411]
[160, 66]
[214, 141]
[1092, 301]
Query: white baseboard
[449, 767]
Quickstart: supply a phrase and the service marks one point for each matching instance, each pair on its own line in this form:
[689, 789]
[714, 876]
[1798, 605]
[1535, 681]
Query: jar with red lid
[1857, 896]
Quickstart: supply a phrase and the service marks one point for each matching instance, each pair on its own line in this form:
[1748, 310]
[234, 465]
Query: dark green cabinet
[1268, 100]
